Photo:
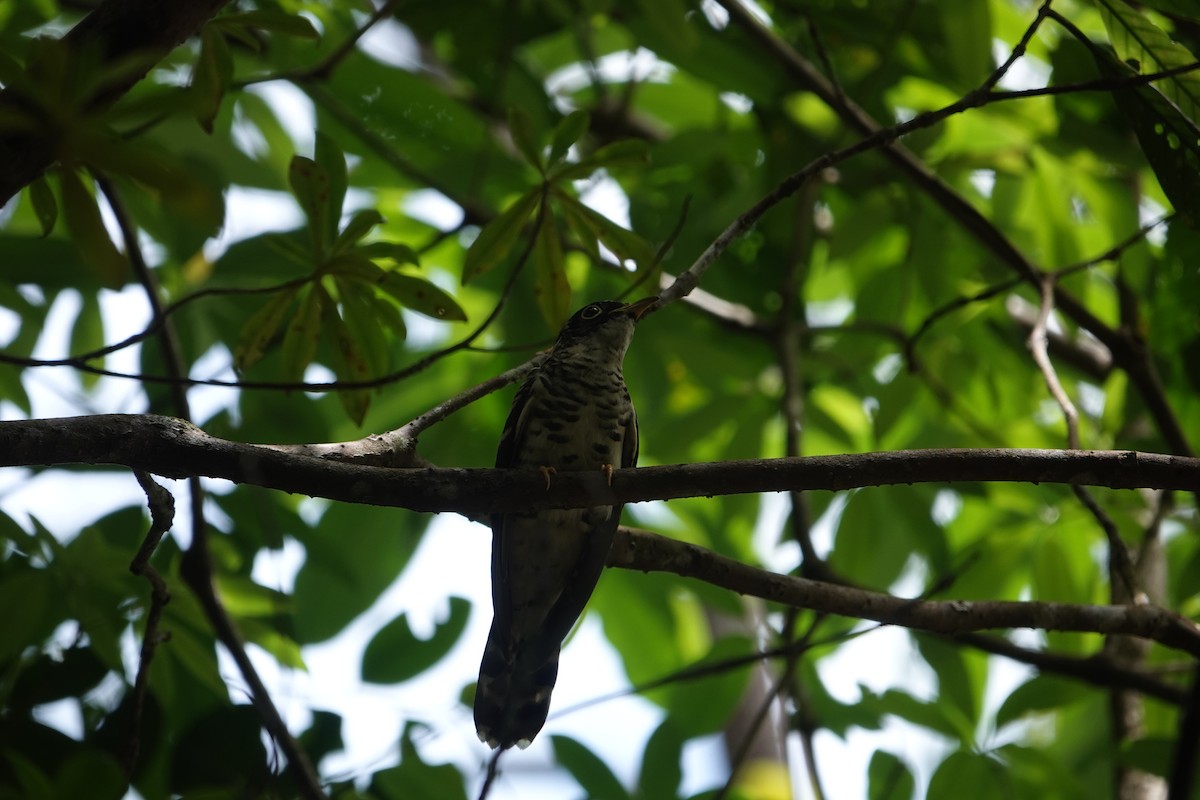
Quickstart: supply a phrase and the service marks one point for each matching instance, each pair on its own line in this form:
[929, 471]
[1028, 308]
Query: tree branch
[177, 449]
[649, 552]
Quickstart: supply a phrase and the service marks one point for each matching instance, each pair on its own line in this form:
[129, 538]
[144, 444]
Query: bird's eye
[591, 312]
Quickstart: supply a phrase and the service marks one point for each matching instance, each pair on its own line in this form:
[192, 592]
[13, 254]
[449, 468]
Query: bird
[572, 413]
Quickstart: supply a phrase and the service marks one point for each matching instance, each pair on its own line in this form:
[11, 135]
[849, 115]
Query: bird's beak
[641, 308]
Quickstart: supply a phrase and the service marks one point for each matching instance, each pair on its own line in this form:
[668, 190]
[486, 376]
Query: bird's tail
[513, 695]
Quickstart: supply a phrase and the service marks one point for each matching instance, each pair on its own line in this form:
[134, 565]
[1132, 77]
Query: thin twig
[1122, 565]
[162, 513]
[492, 774]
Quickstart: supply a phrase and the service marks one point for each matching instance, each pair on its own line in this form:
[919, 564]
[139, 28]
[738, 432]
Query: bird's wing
[514, 432]
[582, 581]
[629, 447]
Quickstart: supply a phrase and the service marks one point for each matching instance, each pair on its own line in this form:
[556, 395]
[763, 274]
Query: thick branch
[652, 553]
[175, 449]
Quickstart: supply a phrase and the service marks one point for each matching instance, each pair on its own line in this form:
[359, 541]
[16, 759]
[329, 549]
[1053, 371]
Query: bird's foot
[607, 469]
[546, 473]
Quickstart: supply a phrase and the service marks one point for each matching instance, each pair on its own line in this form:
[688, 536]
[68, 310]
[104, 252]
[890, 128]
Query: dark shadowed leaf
[396, 654]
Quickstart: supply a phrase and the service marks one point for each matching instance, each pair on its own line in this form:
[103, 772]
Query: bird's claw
[607, 469]
[546, 473]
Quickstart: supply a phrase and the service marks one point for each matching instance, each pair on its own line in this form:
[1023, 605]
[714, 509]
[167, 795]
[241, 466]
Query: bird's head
[602, 327]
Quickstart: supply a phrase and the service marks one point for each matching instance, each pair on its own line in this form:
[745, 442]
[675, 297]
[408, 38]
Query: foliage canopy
[1020, 270]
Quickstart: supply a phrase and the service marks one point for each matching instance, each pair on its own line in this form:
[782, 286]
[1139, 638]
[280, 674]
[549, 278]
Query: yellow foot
[607, 469]
[546, 473]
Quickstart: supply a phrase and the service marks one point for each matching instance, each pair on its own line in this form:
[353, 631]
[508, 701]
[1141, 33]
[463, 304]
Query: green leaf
[662, 768]
[83, 220]
[1040, 694]
[358, 313]
[303, 333]
[44, 204]
[87, 334]
[624, 244]
[351, 361]
[415, 777]
[331, 160]
[277, 21]
[310, 185]
[889, 778]
[569, 130]
[967, 32]
[1153, 755]
[343, 574]
[400, 253]
[550, 285]
[938, 717]
[395, 654]
[1146, 48]
[521, 128]
[1167, 137]
[422, 296]
[359, 226]
[626, 151]
[961, 771]
[597, 780]
[261, 328]
[497, 238]
[210, 76]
